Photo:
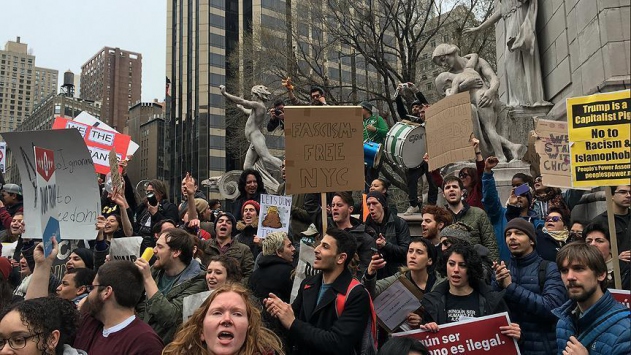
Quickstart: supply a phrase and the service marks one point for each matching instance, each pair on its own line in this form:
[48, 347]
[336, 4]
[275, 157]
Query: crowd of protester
[477, 256]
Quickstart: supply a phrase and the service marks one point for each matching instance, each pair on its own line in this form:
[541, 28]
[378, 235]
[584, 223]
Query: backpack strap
[543, 267]
[340, 302]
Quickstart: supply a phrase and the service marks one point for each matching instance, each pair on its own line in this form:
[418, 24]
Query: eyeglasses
[538, 179]
[90, 288]
[463, 175]
[17, 343]
[315, 96]
[553, 219]
[623, 192]
[446, 243]
[576, 233]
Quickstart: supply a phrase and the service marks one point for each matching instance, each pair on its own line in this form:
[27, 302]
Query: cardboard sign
[98, 141]
[76, 197]
[274, 215]
[622, 296]
[125, 248]
[449, 128]
[600, 139]
[553, 148]
[3, 157]
[90, 120]
[472, 336]
[323, 149]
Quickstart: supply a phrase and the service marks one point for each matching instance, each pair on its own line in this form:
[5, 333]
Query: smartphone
[375, 251]
[522, 190]
[153, 201]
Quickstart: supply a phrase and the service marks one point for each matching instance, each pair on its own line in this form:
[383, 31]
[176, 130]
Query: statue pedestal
[520, 121]
[503, 173]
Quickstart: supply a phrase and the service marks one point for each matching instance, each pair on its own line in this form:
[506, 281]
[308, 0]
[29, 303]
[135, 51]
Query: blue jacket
[499, 215]
[530, 306]
[615, 336]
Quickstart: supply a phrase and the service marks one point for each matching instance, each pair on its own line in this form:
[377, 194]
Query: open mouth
[225, 336]
[223, 229]
[455, 278]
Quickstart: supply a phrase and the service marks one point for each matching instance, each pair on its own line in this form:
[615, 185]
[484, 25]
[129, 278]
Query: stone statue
[258, 156]
[522, 65]
[474, 74]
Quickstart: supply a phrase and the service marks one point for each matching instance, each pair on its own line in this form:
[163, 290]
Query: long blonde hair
[259, 340]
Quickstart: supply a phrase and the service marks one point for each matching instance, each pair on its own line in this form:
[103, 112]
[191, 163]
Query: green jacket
[164, 312]
[482, 230]
[382, 129]
[237, 250]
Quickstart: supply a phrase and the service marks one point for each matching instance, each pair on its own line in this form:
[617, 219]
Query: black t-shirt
[465, 306]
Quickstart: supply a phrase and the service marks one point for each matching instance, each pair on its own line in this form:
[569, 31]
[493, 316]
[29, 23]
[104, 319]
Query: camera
[153, 201]
[278, 112]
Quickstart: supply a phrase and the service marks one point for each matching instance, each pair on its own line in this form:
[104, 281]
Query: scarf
[559, 236]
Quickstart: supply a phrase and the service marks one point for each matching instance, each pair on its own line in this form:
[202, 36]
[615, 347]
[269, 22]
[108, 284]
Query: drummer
[375, 130]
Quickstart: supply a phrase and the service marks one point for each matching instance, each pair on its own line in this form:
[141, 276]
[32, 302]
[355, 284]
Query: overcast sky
[65, 34]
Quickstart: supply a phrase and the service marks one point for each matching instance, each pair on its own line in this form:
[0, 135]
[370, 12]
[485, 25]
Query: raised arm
[238, 100]
[486, 24]
[38, 287]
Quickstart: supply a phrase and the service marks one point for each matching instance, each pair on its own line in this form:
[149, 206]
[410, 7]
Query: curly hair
[260, 188]
[43, 316]
[472, 261]
[441, 215]
[259, 340]
[233, 270]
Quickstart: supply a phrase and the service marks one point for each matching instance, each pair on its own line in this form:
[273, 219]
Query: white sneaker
[411, 210]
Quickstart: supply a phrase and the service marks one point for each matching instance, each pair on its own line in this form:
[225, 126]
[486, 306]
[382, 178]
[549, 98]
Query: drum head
[414, 147]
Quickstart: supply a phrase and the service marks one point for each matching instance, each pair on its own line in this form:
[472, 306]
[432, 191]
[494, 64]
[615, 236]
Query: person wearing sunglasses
[546, 197]
[576, 231]
[554, 234]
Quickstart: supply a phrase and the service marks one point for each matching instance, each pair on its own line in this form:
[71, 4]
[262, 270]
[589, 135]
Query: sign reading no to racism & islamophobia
[599, 135]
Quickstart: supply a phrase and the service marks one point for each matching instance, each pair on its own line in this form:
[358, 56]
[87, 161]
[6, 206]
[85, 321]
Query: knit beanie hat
[200, 205]
[458, 230]
[524, 226]
[230, 217]
[366, 105]
[5, 268]
[256, 205]
[380, 197]
[86, 255]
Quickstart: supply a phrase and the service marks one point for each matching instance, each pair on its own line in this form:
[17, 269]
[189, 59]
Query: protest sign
[323, 149]
[77, 193]
[191, 303]
[304, 268]
[98, 141]
[125, 248]
[45, 199]
[472, 336]
[552, 145]
[90, 120]
[8, 249]
[395, 303]
[3, 157]
[449, 129]
[274, 215]
[600, 139]
[622, 296]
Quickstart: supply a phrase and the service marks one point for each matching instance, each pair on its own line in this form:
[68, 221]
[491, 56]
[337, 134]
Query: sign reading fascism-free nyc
[599, 134]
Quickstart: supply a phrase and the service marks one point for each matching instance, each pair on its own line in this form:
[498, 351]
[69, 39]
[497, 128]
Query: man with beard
[173, 276]
[532, 289]
[341, 210]
[592, 321]
[108, 318]
[435, 218]
[392, 234]
[225, 244]
[482, 230]
[312, 320]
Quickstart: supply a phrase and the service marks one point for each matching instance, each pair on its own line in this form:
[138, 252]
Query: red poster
[622, 296]
[99, 142]
[473, 336]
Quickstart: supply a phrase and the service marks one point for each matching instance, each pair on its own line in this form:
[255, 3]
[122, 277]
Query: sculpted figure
[474, 74]
[521, 62]
[256, 110]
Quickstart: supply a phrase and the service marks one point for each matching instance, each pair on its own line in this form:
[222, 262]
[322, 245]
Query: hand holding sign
[42, 259]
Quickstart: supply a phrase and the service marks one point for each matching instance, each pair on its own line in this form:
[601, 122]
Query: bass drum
[405, 144]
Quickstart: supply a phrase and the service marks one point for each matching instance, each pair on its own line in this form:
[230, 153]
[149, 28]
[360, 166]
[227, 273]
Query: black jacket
[273, 275]
[317, 328]
[491, 302]
[397, 234]
[547, 247]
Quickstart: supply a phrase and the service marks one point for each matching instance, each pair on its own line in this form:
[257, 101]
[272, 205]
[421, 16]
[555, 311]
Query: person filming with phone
[155, 207]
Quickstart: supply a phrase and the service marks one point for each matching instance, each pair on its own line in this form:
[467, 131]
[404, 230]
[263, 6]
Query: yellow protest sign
[600, 139]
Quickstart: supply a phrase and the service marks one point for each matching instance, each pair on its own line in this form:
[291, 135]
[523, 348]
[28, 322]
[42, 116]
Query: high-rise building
[113, 76]
[146, 127]
[22, 85]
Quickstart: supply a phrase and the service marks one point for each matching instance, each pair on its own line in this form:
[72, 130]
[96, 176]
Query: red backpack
[369, 339]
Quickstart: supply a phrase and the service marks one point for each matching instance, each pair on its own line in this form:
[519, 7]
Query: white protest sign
[77, 194]
[125, 248]
[191, 303]
[274, 215]
[8, 249]
[394, 304]
[304, 268]
[90, 120]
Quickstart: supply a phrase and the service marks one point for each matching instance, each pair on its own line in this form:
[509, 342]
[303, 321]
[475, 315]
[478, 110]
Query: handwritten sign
[323, 149]
[77, 192]
[600, 139]
[99, 142]
[553, 148]
[394, 304]
[274, 215]
[472, 336]
[449, 128]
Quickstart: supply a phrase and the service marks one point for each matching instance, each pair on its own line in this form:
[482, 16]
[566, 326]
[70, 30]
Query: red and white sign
[44, 163]
[472, 336]
[99, 142]
[622, 296]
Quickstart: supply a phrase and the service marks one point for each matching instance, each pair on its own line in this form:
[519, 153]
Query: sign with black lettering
[323, 149]
[553, 147]
[600, 142]
[75, 195]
